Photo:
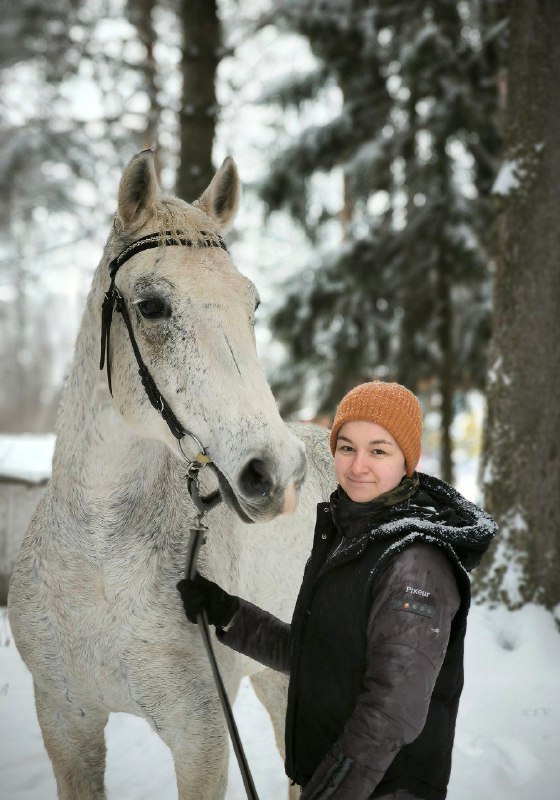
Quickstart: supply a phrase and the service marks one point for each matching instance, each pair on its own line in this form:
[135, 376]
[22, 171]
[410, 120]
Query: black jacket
[375, 648]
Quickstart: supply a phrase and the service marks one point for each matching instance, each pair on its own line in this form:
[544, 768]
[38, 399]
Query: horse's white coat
[93, 605]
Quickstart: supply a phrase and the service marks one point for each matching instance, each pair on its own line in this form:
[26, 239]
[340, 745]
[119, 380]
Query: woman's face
[367, 461]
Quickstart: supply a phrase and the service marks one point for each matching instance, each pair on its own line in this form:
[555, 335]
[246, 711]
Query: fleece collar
[353, 519]
[435, 512]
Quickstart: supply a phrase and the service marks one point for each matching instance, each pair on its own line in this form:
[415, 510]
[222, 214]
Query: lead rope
[198, 537]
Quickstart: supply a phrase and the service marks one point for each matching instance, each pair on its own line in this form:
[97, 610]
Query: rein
[198, 534]
[114, 301]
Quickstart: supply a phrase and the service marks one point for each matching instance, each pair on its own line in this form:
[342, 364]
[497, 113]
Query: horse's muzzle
[261, 494]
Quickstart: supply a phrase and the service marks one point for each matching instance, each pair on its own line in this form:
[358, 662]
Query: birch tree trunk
[522, 476]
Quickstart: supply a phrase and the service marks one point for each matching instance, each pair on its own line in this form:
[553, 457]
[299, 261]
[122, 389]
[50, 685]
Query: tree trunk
[200, 57]
[141, 14]
[346, 215]
[522, 475]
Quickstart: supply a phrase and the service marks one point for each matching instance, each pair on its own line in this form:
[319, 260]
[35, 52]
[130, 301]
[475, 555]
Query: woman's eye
[154, 308]
[378, 452]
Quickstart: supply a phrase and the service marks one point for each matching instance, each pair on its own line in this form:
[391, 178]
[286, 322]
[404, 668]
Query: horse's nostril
[255, 479]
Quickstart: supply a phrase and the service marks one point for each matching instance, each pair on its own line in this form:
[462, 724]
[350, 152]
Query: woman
[375, 647]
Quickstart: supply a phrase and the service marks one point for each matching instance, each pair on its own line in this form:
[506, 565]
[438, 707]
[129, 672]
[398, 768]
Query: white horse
[92, 604]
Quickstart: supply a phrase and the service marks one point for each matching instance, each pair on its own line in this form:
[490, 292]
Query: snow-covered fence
[25, 465]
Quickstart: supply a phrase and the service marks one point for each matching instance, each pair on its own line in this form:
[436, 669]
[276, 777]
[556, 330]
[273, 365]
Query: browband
[164, 239]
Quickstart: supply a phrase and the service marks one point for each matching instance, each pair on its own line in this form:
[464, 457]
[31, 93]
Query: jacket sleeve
[404, 654]
[259, 635]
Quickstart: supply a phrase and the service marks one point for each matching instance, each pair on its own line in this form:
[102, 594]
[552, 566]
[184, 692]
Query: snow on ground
[506, 746]
[26, 457]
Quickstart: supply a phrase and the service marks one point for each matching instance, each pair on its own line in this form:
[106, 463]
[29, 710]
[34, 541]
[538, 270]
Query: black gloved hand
[200, 594]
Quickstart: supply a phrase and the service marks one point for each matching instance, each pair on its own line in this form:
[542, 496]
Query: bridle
[114, 301]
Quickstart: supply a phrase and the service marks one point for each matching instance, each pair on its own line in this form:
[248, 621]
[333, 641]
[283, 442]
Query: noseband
[115, 301]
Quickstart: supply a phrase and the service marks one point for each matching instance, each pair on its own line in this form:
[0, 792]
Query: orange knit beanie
[390, 405]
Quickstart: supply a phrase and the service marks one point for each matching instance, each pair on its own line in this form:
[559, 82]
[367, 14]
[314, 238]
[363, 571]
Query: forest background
[401, 163]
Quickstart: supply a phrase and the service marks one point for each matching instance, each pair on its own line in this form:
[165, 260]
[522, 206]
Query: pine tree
[34, 50]
[417, 140]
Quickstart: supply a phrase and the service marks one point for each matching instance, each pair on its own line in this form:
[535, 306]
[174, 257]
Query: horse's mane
[169, 215]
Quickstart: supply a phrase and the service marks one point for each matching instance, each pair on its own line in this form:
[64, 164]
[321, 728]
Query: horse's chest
[94, 635]
[112, 660]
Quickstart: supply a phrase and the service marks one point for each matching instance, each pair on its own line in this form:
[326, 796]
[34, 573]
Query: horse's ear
[139, 189]
[221, 199]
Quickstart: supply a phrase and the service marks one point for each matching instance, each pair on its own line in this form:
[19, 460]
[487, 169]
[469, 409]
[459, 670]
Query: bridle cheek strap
[115, 301]
[106, 319]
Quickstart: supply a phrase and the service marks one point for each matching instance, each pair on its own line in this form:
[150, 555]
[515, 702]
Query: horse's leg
[75, 742]
[272, 690]
[200, 754]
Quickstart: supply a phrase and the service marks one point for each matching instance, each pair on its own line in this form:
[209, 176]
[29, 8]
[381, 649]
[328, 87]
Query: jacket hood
[438, 511]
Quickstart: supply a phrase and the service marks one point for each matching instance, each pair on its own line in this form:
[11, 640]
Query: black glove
[200, 594]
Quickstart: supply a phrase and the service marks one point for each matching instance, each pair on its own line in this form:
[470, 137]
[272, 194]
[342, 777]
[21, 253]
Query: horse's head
[191, 315]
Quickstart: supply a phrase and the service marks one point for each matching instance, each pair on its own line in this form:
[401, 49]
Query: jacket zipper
[295, 674]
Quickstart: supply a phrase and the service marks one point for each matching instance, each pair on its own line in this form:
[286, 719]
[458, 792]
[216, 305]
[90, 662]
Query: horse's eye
[154, 308]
